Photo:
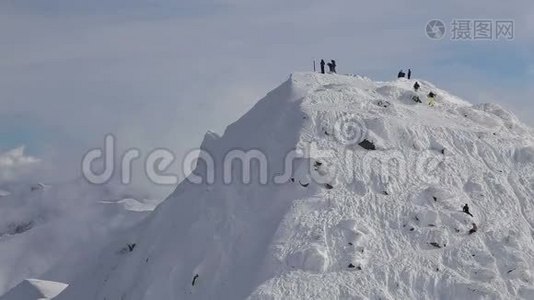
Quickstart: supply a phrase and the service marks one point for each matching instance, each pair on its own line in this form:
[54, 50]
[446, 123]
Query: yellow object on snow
[431, 101]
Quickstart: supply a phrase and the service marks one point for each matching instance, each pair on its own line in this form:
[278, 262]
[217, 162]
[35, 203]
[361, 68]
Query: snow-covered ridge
[31, 289]
[380, 235]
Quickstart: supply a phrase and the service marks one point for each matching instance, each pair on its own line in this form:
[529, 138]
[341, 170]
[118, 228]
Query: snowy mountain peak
[356, 190]
[33, 289]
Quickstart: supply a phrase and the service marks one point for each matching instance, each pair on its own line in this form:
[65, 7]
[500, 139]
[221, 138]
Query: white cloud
[16, 157]
[15, 163]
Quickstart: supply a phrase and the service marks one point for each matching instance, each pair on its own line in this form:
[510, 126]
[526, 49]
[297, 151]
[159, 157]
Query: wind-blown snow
[367, 234]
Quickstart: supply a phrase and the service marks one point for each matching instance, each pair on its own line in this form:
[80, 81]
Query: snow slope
[347, 222]
[32, 289]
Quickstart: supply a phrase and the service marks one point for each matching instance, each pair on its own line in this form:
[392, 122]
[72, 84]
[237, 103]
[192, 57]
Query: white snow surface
[34, 289]
[375, 235]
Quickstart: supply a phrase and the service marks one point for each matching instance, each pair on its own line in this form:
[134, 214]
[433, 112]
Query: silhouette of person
[409, 73]
[334, 66]
[322, 66]
[416, 86]
[466, 209]
[401, 74]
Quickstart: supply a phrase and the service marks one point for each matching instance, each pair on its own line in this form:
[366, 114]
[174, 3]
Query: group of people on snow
[404, 75]
[331, 66]
[431, 95]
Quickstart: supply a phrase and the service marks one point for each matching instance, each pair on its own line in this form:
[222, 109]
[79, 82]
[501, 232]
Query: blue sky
[15, 133]
[162, 73]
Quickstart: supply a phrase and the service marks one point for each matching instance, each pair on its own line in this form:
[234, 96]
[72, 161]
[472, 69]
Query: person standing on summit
[401, 74]
[409, 73]
[333, 66]
[330, 67]
[322, 66]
